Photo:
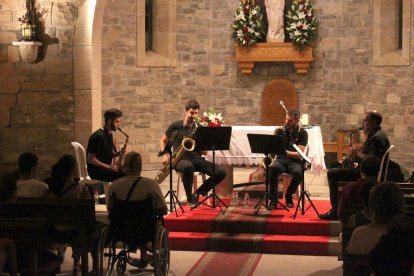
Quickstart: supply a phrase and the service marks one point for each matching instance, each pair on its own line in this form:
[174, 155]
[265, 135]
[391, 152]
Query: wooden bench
[75, 213]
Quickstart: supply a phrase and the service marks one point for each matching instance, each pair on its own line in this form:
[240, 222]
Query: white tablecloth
[239, 152]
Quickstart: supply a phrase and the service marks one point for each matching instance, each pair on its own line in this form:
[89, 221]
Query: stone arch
[87, 72]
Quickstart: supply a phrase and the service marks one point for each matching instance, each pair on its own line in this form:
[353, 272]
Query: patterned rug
[222, 263]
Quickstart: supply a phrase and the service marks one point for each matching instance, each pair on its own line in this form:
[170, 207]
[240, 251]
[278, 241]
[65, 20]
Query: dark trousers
[336, 174]
[187, 167]
[289, 166]
[104, 174]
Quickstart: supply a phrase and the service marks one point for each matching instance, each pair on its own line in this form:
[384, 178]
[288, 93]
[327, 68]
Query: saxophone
[188, 144]
[349, 160]
[121, 156]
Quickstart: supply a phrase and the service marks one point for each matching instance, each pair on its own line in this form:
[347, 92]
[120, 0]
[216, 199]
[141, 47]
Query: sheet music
[302, 154]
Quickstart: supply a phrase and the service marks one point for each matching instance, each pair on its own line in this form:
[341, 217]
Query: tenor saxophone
[188, 144]
[121, 156]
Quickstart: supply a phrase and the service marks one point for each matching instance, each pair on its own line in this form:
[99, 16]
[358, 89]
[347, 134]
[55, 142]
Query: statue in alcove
[275, 19]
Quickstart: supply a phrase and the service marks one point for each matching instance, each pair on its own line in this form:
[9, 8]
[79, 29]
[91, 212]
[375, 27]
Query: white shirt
[32, 188]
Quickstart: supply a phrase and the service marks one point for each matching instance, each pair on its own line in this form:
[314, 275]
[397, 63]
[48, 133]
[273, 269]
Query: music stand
[212, 138]
[173, 196]
[267, 144]
[303, 193]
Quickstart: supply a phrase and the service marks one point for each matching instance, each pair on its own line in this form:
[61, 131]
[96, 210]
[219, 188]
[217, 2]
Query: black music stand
[267, 144]
[173, 195]
[303, 193]
[212, 138]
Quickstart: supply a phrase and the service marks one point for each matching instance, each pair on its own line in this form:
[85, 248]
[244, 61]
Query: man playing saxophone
[377, 144]
[191, 161]
[102, 150]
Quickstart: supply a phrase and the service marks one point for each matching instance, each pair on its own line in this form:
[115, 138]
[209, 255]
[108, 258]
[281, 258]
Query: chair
[385, 159]
[80, 156]
[203, 177]
[133, 224]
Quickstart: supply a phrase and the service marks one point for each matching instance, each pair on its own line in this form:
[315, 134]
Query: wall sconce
[28, 46]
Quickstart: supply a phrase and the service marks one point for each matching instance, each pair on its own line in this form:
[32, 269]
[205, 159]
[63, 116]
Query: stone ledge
[273, 52]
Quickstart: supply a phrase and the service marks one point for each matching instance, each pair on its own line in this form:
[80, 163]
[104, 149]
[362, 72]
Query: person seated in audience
[27, 185]
[8, 256]
[63, 184]
[369, 168]
[8, 191]
[394, 253]
[144, 186]
[365, 216]
[8, 188]
[387, 203]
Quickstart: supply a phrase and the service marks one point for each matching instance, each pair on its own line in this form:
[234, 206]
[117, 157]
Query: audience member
[8, 188]
[27, 185]
[63, 184]
[394, 253]
[387, 203]
[365, 216]
[138, 188]
[7, 249]
[369, 168]
[8, 256]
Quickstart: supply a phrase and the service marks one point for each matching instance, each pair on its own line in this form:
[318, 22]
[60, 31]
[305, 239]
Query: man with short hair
[101, 149]
[291, 133]
[191, 161]
[27, 185]
[121, 187]
[376, 144]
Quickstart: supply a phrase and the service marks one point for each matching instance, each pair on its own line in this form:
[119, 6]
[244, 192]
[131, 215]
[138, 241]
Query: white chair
[80, 156]
[203, 177]
[385, 159]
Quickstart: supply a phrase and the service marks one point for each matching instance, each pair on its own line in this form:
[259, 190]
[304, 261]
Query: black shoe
[193, 201]
[289, 201]
[331, 215]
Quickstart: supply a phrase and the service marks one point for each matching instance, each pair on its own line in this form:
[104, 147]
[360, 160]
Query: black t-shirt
[178, 128]
[101, 144]
[297, 136]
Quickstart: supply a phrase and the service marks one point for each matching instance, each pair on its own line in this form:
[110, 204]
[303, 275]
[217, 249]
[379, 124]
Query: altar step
[240, 230]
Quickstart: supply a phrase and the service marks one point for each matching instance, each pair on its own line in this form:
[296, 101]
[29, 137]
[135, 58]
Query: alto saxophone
[121, 156]
[188, 144]
[349, 160]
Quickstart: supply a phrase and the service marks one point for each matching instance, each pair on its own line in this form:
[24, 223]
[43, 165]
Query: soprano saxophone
[188, 144]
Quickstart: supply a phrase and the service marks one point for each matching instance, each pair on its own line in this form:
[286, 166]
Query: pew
[76, 213]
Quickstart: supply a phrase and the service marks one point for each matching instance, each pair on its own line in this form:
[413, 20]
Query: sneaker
[134, 261]
[193, 201]
[331, 215]
[272, 204]
[143, 263]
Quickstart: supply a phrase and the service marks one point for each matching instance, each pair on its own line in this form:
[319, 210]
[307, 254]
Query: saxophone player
[377, 144]
[191, 161]
[290, 163]
[101, 150]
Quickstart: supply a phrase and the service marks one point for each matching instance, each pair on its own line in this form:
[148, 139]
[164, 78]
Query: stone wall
[37, 106]
[340, 84]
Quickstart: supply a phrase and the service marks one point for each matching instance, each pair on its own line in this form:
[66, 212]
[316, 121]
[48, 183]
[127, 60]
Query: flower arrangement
[248, 23]
[301, 23]
[210, 118]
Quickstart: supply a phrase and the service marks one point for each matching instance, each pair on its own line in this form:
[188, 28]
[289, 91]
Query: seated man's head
[27, 164]
[370, 166]
[133, 163]
[386, 200]
[8, 187]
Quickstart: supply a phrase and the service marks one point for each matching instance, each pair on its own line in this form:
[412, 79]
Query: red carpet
[240, 230]
[218, 263]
